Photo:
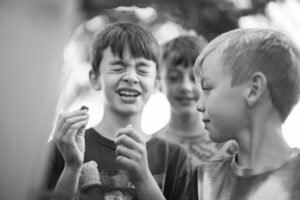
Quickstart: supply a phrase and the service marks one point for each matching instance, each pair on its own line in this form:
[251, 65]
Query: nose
[187, 84]
[130, 76]
[200, 106]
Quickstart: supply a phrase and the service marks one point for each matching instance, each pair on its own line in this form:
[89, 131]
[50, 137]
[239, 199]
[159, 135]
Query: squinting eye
[142, 69]
[117, 69]
[142, 72]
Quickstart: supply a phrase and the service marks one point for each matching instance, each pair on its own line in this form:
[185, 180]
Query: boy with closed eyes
[116, 159]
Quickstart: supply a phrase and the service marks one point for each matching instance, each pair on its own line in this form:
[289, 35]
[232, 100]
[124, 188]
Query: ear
[257, 87]
[95, 80]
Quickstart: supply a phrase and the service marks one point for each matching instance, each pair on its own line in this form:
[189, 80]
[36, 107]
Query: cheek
[225, 112]
[216, 107]
[149, 85]
[171, 89]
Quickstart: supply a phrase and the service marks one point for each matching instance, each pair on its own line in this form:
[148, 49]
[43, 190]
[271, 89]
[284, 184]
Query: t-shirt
[201, 148]
[227, 181]
[168, 164]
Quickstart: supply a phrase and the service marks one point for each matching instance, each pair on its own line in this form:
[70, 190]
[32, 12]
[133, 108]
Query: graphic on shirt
[110, 184]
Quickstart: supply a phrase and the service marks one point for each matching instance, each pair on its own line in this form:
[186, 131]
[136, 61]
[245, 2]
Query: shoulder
[169, 152]
[94, 139]
[162, 143]
[90, 132]
[161, 133]
[165, 148]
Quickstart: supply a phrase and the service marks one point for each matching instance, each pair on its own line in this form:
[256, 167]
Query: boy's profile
[185, 126]
[250, 82]
[116, 159]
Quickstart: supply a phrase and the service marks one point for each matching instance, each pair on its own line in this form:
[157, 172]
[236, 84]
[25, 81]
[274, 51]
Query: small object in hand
[84, 108]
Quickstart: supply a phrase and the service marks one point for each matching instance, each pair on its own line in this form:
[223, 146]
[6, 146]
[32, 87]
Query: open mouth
[128, 93]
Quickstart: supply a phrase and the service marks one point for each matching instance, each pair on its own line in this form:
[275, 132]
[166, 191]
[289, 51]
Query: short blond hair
[245, 51]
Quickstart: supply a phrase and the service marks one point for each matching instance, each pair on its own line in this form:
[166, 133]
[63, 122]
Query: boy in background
[177, 82]
[250, 82]
[116, 159]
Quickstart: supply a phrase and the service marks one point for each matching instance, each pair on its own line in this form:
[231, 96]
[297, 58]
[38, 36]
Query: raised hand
[69, 136]
[131, 154]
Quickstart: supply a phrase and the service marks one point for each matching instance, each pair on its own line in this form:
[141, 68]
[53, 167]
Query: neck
[111, 122]
[263, 145]
[185, 125]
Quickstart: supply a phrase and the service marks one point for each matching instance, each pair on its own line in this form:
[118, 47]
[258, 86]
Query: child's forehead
[180, 66]
[210, 65]
[125, 54]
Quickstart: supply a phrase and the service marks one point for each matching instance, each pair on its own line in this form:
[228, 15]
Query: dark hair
[245, 51]
[121, 35]
[182, 50]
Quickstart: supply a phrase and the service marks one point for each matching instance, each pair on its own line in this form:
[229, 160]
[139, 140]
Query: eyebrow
[119, 62]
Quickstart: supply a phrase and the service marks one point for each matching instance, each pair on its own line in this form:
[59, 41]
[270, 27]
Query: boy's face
[223, 106]
[127, 82]
[178, 84]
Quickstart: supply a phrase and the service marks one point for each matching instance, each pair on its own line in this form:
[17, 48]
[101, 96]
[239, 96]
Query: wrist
[148, 188]
[143, 180]
[73, 168]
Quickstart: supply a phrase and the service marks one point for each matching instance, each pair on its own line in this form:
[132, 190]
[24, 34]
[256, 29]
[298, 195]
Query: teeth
[128, 93]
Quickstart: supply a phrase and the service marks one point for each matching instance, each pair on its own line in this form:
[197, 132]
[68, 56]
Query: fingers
[126, 163]
[70, 122]
[130, 150]
[74, 129]
[62, 117]
[131, 154]
[130, 132]
[127, 141]
[130, 160]
[123, 151]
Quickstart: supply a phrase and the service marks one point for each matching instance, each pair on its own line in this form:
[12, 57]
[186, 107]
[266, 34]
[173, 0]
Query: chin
[216, 137]
[130, 110]
[187, 110]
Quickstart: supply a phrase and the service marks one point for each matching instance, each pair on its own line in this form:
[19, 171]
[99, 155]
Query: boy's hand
[69, 137]
[131, 154]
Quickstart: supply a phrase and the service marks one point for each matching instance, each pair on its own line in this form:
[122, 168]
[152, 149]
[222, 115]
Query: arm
[148, 189]
[69, 138]
[66, 187]
[132, 156]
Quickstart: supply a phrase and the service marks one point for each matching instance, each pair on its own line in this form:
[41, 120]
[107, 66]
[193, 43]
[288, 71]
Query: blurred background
[166, 20]
[44, 65]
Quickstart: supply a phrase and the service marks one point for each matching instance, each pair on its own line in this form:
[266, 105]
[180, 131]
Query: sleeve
[192, 188]
[181, 186]
[54, 167]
